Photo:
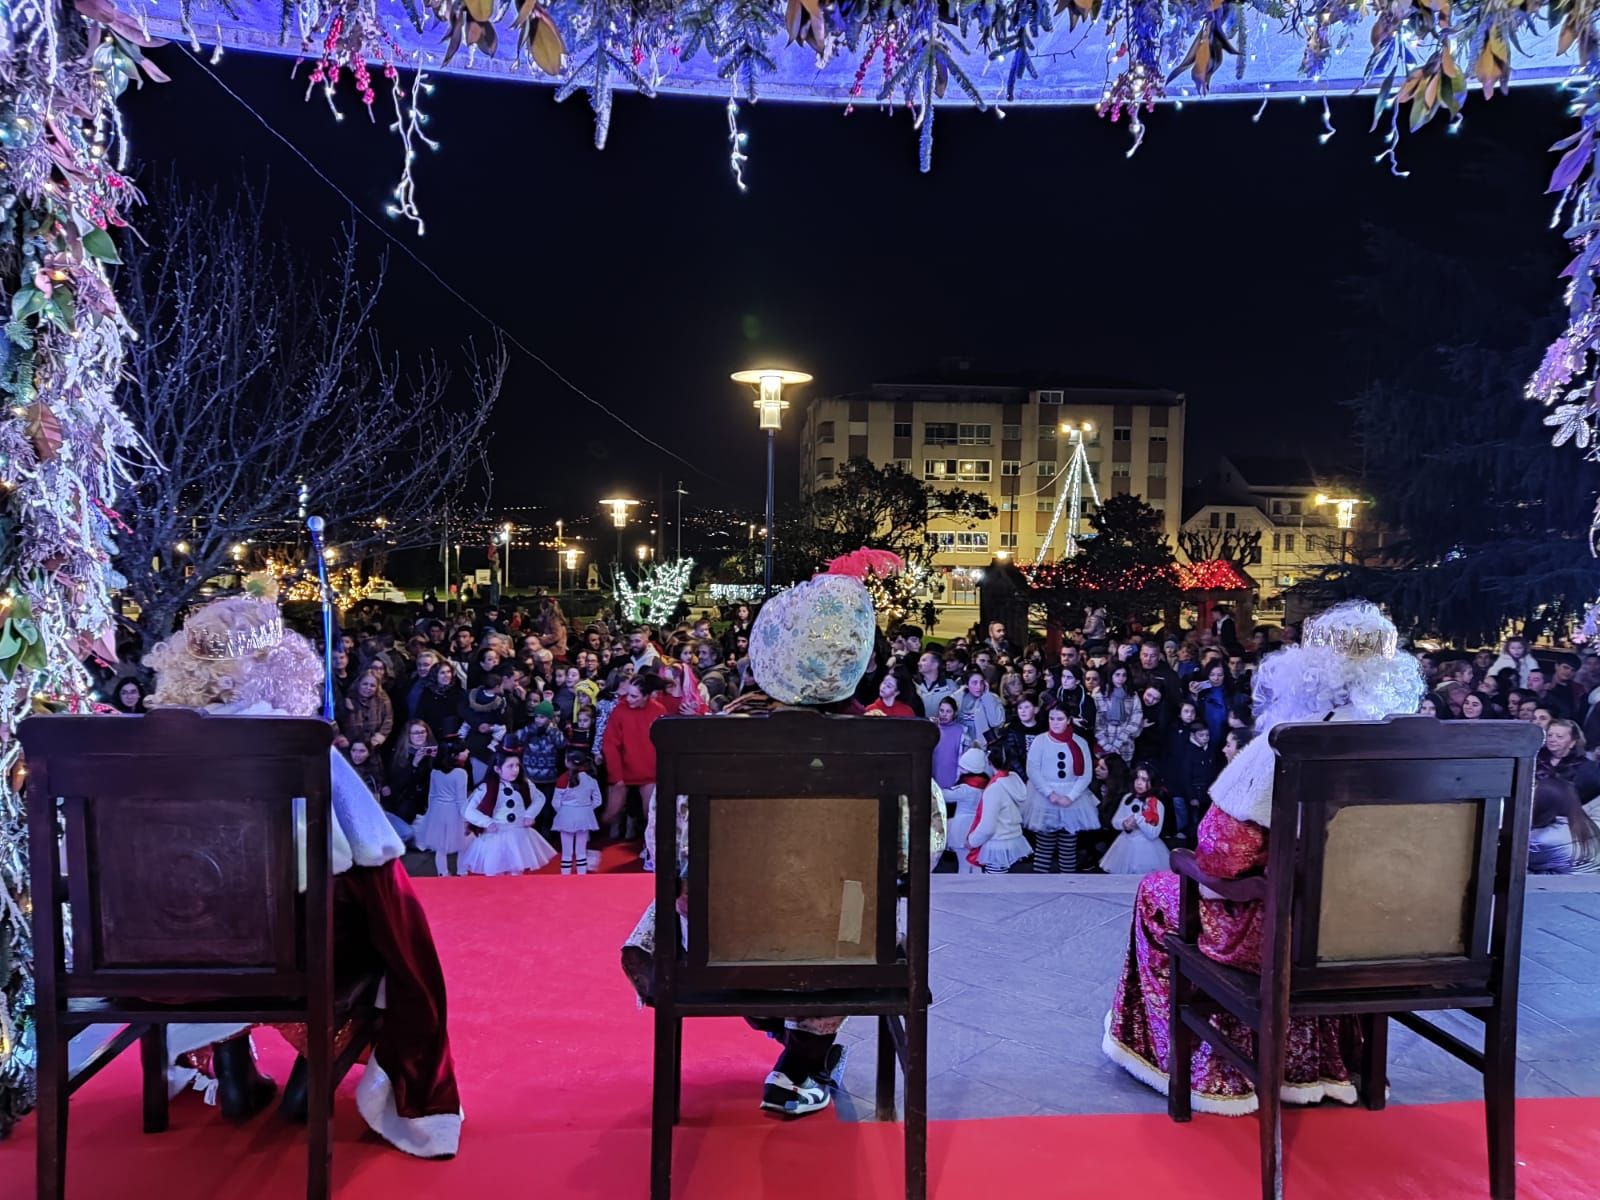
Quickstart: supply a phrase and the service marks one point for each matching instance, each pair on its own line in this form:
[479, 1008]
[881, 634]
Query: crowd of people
[504, 738]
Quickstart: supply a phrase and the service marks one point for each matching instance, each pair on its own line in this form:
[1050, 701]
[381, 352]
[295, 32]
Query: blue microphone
[315, 526]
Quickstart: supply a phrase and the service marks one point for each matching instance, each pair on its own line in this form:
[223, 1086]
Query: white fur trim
[436, 1136]
[1244, 789]
[1153, 1076]
[183, 1037]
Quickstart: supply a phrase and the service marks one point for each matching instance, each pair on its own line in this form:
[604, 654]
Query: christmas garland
[62, 192]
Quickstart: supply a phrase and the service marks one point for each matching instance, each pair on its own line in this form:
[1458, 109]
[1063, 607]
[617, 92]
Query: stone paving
[1023, 968]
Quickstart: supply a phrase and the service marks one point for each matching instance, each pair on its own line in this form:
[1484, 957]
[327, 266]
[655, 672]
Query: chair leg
[153, 1061]
[1375, 1061]
[663, 1104]
[1269, 1115]
[51, 1150]
[677, 1070]
[1180, 1047]
[319, 1110]
[1500, 1099]
[886, 1063]
[916, 1073]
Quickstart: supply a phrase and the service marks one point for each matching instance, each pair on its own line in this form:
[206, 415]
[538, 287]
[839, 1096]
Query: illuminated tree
[1128, 567]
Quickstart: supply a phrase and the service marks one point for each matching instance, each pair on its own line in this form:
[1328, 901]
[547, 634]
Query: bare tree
[1238, 546]
[256, 375]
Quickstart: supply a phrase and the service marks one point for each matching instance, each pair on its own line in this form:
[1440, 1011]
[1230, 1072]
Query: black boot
[242, 1090]
[293, 1105]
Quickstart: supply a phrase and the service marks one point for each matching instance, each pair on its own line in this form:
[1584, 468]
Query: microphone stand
[315, 526]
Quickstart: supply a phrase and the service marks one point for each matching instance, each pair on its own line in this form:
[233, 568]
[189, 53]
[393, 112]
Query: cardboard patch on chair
[1376, 902]
[796, 879]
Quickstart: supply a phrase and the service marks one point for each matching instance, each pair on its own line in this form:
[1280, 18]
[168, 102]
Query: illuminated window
[974, 470]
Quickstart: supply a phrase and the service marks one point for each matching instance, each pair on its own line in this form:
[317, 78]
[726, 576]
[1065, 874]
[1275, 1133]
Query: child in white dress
[502, 809]
[966, 795]
[442, 827]
[996, 840]
[1060, 805]
[1138, 848]
[577, 795]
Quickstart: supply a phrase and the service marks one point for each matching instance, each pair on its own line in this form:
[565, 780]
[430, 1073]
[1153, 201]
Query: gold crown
[263, 634]
[1358, 630]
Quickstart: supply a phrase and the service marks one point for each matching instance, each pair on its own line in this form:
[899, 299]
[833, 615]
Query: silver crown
[204, 643]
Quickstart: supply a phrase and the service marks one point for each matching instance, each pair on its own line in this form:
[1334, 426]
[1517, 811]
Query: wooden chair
[1402, 892]
[793, 886]
[173, 838]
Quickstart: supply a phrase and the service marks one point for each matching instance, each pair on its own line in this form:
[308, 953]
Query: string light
[1327, 123]
[736, 143]
[408, 124]
[660, 590]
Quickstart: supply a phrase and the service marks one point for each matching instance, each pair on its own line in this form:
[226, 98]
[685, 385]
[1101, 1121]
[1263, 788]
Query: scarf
[977, 819]
[491, 794]
[975, 781]
[1072, 744]
[1116, 703]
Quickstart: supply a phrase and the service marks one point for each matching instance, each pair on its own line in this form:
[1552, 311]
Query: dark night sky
[1216, 262]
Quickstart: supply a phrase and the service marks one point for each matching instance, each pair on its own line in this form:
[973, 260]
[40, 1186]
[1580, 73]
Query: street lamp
[505, 560]
[769, 383]
[681, 495]
[619, 517]
[644, 553]
[1344, 516]
[572, 565]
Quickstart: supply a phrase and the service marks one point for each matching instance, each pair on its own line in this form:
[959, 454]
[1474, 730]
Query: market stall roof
[1073, 65]
[1213, 575]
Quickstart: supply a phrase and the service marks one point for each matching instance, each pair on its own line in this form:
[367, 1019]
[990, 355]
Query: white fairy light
[736, 144]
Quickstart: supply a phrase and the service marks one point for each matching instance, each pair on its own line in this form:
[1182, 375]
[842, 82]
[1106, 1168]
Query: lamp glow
[572, 560]
[619, 510]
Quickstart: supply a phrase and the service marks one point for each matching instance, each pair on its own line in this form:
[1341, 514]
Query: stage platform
[553, 1057]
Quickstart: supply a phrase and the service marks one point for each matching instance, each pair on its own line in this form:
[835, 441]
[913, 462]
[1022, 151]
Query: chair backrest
[178, 831]
[1411, 854]
[793, 847]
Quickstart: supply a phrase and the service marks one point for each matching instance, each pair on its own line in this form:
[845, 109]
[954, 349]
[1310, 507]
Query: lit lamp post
[572, 566]
[644, 554]
[619, 517]
[769, 382]
[1344, 516]
[505, 557]
[558, 555]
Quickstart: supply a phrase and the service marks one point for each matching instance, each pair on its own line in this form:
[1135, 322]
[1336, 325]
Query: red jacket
[629, 752]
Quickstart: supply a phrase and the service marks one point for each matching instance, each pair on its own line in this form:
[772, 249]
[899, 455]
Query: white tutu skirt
[1001, 853]
[1043, 817]
[573, 818]
[442, 828]
[1134, 854]
[506, 850]
[959, 826]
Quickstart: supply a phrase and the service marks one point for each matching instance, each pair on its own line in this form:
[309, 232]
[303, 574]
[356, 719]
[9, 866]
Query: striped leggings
[1055, 853]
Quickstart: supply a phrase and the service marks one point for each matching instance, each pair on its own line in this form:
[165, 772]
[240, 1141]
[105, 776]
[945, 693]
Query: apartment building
[1010, 438]
[1309, 516]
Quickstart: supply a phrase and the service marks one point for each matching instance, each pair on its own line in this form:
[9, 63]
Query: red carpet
[555, 1075]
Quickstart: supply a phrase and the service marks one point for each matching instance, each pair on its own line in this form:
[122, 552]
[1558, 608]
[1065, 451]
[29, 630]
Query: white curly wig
[1348, 659]
[286, 677]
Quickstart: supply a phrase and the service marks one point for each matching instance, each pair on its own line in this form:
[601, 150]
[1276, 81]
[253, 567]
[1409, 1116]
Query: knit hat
[543, 709]
[974, 761]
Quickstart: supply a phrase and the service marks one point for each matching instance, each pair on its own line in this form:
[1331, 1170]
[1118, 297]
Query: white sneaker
[780, 1094]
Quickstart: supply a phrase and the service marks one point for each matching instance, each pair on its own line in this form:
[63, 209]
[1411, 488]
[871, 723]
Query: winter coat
[361, 720]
